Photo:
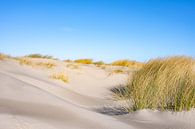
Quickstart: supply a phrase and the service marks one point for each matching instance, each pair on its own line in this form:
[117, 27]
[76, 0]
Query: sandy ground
[30, 99]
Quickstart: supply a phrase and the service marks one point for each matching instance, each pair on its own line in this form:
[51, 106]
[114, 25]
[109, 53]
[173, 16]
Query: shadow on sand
[115, 109]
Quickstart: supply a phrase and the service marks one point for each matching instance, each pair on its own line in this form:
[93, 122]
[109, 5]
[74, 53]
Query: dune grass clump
[99, 63]
[127, 63]
[47, 65]
[84, 61]
[27, 61]
[73, 66]
[61, 76]
[116, 71]
[40, 56]
[164, 84]
[68, 60]
[2, 56]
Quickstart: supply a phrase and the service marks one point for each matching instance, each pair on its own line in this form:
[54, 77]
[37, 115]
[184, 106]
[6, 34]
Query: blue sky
[100, 29]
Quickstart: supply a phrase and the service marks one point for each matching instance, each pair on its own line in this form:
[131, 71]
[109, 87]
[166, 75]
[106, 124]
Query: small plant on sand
[60, 76]
[25, 61]
[68, 60]
[99, 63]
[103, 67]
[2, 56]
[73, 66]
[39, 56]
[47, 65]
[164, 84]
[84, 61]
[116, 71]
[127, 63]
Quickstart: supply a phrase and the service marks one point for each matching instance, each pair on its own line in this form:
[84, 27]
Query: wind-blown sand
[30, 99]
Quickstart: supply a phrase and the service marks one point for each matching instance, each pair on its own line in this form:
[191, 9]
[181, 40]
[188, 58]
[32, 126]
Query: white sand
[29, 99]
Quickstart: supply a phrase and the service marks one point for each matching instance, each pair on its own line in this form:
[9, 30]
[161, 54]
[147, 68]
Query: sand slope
[29, 99]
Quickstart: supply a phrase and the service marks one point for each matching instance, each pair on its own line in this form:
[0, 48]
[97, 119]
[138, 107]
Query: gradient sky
[100, 29]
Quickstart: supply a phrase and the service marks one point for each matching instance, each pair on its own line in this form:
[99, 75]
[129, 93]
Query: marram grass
[2, 57]
[84, 61]
[127, 63]
[61, 76]
[27, 61]
[164, 84]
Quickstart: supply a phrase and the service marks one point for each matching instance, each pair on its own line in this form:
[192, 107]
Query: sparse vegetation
[2, 56]
[103, 66]
[127, 63]
[40, 56]
[73, 66]
[164, 84]
[60, 76]
[68, 60]
[99, 63]
[84, 61]
[48, 65]
[120, 92]
[27, 61]
[116, 71]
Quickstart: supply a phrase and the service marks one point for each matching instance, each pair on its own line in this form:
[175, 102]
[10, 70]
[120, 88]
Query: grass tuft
[116, 71]
[27, 61]
[164, 84]
[47, 65]
[84, 61]
[99, 63]
[127, 63]
[2, 56]
[61, 76]
[73, 66]
[40, 56]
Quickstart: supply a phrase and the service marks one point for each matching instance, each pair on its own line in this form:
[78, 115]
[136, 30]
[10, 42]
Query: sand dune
[29, 99]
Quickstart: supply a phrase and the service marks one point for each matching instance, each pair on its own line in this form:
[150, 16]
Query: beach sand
[31, 99]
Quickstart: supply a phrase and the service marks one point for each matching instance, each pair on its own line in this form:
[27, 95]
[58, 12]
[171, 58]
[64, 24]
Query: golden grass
[116, 71]
[27, 61]
[84, 61]
[127, 63]
[61, 76]
[120, 93]
[164, 84]
[2, 56]
[48, 65]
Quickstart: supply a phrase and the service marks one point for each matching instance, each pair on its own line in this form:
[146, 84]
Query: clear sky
[100, 29]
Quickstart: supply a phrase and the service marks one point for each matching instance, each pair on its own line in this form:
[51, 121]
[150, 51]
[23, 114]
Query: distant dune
[34, 95]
